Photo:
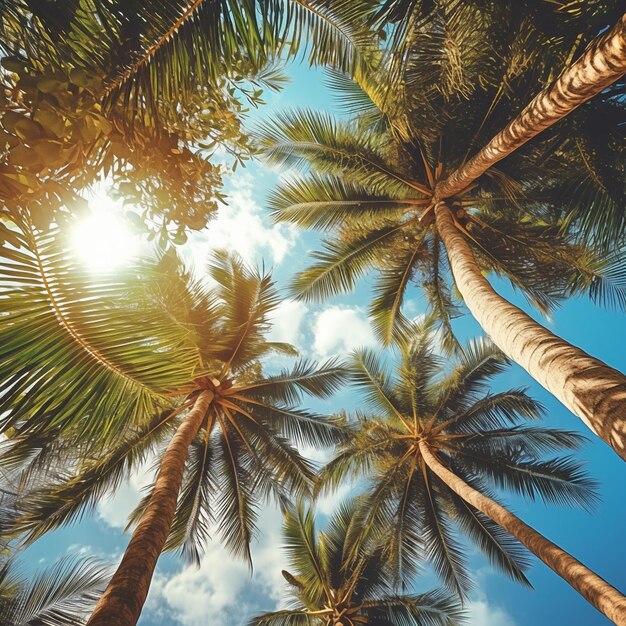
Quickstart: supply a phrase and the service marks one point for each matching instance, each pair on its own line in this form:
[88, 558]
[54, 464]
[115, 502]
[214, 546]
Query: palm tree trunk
[601, 65]
[588, 387]
[594, 589]
[124, 597]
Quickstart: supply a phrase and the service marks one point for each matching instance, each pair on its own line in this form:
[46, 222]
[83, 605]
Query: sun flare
[103, 241]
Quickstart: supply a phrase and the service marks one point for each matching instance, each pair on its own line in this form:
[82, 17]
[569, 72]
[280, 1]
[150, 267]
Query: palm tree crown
[371, 179]
[474, 433]
[245, 450]
[340, 581]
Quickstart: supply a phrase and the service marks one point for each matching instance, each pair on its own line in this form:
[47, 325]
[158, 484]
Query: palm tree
[60, 596]
[229, 428]
[340, 581]
[433, 449]
[372, 185]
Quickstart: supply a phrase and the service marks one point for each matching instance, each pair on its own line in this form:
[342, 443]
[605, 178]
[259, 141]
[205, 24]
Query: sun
[102, 240]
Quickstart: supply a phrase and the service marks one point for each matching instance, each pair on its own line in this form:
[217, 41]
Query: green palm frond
[247, 298]
[504, 552]
[323, 201]
[67, 498]
[286, 618]
[340, 264]
[65, 330]
[368, 374]
[304, 138]
[62, 595]
[192, 521]
[560, 481]
[235, 507]
[433, 608]
[441, 545]
[498, 410]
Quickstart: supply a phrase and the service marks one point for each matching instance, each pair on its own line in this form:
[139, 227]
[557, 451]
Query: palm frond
[63, 595]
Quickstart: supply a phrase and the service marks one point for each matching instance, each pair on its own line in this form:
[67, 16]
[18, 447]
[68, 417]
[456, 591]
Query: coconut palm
[230, 430]
[371, 186]
[340, 581]
[433, 449]
[62, 595]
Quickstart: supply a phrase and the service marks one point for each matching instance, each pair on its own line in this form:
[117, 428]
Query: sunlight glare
[104, 242]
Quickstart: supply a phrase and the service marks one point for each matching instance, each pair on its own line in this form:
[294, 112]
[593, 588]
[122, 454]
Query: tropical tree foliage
[60, 596]
[340, 580]
[371, 177]
[249, 437]
[478, 435]
[143, 93]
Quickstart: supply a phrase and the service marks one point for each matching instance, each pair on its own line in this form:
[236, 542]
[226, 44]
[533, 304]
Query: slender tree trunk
[124, 597]
[588, 387]
[594, 589]
[602, 64]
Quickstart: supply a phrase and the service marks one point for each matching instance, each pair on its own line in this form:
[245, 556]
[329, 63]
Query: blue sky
[221, 592]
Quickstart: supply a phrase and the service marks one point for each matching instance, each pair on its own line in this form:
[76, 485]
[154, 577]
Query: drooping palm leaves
[62, 595]
[75, 353]
[336, 579]
[479, 435]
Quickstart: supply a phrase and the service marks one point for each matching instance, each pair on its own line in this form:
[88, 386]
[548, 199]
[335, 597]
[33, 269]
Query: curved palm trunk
[588, 387]
[594, 589]
[124, 597]
[602, 64]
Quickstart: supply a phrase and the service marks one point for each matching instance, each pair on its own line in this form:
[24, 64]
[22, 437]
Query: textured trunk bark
[594, 589]
[124, 597]
[588, 387]
[602, 64]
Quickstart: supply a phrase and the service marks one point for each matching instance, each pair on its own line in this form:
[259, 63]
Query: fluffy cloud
[339, 330]
[114, 511]
[241, 226]
[287, 321]
[221, 591]
[480, 611]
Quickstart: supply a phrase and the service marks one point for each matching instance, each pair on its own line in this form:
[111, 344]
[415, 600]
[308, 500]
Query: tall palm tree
[230, 430]
[434, 447]
[340, 581]
[372, 185]
[62, 595]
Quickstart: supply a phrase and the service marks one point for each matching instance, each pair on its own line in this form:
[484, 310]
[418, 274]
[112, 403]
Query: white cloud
[114, 511]
[287, 321]
[242, 227]
[480, 611]
[221, 591]
[339, 330]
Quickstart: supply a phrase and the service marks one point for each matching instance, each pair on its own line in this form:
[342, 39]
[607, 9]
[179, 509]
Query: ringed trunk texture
[124, 597]
[589, 388]
[601, 65]
[592, 587]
